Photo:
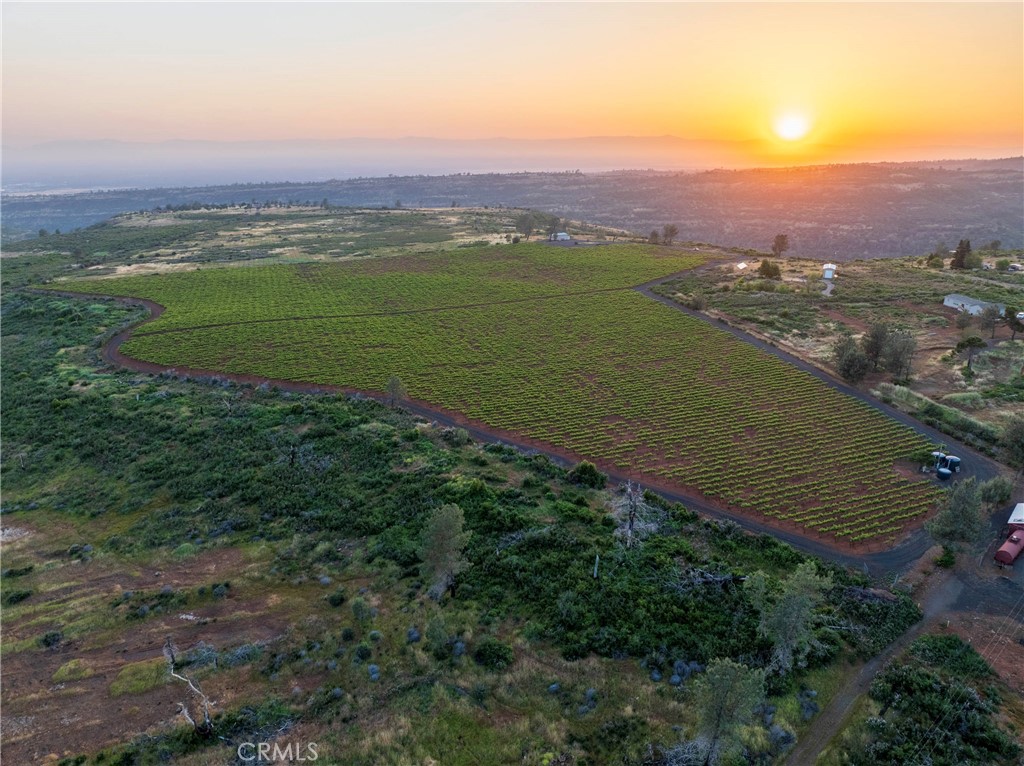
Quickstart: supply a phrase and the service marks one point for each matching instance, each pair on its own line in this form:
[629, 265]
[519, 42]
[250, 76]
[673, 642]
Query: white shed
[829, 270]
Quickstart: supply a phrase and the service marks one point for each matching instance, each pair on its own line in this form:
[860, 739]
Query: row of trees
[964, 257]
[532, 221]
[881, 347]
[666, 236]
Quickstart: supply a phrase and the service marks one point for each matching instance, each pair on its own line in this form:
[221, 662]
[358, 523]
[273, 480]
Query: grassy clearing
[72, 670]
[140, 677]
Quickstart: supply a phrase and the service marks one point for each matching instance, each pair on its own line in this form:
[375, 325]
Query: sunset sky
[884, 79]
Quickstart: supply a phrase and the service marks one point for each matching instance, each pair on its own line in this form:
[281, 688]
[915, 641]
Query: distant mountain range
[70, 165]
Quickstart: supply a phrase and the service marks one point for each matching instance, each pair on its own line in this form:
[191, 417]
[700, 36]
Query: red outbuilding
[1011, 549]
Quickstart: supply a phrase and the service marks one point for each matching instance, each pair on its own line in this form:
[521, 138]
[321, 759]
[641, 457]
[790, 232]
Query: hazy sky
[888, 75]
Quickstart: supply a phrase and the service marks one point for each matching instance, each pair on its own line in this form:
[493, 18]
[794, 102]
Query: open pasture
[572, 358]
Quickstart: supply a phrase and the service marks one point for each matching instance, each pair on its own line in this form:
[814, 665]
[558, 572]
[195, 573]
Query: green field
[550, 343]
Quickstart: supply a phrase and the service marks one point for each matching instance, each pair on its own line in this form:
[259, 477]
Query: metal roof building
[972, 306]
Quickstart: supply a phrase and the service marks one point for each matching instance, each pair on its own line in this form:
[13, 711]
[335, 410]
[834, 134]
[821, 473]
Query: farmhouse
[560, 237]
[972, 306]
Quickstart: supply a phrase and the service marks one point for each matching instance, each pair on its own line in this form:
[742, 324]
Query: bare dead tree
[637, 517]
[204, 728]
[683, 581]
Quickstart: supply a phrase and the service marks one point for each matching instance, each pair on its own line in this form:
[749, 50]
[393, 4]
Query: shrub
[361, 610]
[241, 655]
[16, 596]
[996, 491]
[947, 559]
[493, 654]
[769, 270]
[51, 639]
[950, 653]
[586, 475]
[337, 598]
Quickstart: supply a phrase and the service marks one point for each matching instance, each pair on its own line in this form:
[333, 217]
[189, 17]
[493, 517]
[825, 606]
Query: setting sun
[792, 126]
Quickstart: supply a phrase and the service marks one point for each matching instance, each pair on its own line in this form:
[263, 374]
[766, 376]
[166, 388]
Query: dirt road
[936, 601]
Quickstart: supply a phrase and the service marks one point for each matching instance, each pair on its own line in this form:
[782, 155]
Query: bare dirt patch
[58, 716]
[997, 638]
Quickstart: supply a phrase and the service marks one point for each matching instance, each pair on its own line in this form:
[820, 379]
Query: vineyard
[550, 344]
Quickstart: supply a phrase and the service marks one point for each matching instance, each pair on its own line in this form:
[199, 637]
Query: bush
[361, 610]
[51, 639]
[769, 270]
[996, 491]
[337, 598]
[16, 596]
[241, 655]
[586, 474]
[947, 559]
[493, 654]
[950, 653]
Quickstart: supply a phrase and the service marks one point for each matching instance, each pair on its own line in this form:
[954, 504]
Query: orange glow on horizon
[803, 82]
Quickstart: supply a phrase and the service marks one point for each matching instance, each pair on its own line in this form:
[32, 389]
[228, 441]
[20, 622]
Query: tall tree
[655, 237]
[788, 619]
[964, 319]
[851, 363]
[1015, 324]
[444, 540]
[899, 353]
[873, 343]
[959, 519]
[780, 245]
[524, 225]
[725, 698]
[396, 391]
[1012, 442]
[963, 250]
[668, 233]
[970, 344]
[989, 318]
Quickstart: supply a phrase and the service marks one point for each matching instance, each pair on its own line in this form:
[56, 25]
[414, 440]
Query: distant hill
[828, 211]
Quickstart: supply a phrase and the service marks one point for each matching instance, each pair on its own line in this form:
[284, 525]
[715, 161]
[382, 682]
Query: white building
[829, 270]
[972, 306]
